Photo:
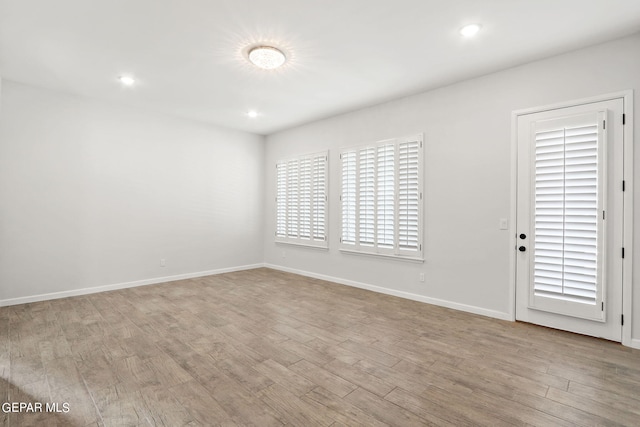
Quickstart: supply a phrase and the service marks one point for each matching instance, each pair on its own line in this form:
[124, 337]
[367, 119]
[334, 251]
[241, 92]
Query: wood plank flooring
[268, 348]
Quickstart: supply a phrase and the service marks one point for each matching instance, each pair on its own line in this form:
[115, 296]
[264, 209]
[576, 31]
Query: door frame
[627, 262]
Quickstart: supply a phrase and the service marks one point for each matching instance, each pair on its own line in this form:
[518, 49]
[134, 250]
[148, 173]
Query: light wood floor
[268, 348]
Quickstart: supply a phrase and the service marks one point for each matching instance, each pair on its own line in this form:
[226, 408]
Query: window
[301, 200]
[382, 198]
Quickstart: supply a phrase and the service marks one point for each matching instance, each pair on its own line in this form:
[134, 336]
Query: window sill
[390, 256]
[324, 246]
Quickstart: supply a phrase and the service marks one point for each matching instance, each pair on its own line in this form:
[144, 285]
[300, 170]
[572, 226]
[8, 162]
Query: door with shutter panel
[570, 218]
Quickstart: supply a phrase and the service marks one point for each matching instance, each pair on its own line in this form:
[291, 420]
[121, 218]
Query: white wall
[95, 195]
[467, 129]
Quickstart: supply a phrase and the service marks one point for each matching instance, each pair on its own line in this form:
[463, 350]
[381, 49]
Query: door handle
[522, 249]
[523, 236]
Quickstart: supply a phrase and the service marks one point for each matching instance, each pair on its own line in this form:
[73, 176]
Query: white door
[570, 218]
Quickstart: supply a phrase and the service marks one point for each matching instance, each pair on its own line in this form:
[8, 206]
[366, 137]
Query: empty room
[336, 213]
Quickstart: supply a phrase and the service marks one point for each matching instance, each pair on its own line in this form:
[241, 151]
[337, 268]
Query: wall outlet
[421, 277]
[163, 262]
[284, 254]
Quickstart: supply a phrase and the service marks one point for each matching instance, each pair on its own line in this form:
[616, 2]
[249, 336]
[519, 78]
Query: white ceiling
[343, 54]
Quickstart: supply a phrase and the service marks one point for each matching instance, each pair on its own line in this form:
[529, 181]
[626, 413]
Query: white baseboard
[407, 295]
[96, 289]
[635, 343]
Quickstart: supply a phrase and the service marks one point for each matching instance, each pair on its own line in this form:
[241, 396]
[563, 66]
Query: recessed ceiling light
[127, 80]
[470, 30]
[266, 57]
[253, 114]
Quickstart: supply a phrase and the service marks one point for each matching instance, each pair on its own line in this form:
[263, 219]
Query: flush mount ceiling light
[266, 57]
[470, 30]
[252, 113]
[127, 80]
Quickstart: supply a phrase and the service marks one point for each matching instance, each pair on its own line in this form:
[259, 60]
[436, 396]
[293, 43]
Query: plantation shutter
[301, 200]
[366, 198]
[281, 199]
[348, 197]
[292, 198]
[305, 198]
[318, 212]
[567, 213]
[409, 196]
[386, 197]
[381, 198]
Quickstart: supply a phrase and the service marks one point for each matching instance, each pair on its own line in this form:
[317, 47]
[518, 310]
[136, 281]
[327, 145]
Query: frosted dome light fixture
[470, 30]
[266, 57]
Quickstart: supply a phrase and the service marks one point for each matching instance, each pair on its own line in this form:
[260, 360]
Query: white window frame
[355, 237]
[302, 202]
